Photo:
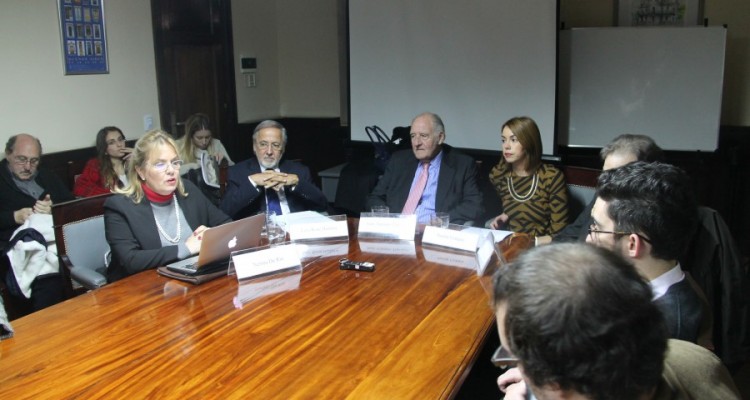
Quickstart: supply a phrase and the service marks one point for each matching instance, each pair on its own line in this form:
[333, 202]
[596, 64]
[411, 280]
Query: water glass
[440, 219]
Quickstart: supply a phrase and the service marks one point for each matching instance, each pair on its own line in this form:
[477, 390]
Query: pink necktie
[416, 192]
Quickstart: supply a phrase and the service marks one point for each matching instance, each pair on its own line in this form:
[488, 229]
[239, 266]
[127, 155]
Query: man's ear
[636, 246]
[441, 138]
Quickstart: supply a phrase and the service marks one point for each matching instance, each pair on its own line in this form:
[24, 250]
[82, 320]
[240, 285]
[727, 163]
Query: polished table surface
[411, 329]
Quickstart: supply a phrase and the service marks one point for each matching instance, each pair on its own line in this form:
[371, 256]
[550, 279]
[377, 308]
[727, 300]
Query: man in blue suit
[267, 183]
[434, 175]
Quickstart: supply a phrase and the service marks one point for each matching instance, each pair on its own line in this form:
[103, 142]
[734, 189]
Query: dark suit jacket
[457, 190]
[134, 239]
[682, 310]
[12, 198]
[579, 229]
[242, 199]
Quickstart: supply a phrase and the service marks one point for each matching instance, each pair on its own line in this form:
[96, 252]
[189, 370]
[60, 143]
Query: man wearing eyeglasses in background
[267, 183]
[26, 189]
[647, 213]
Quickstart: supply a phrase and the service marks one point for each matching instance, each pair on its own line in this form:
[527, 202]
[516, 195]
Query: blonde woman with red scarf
[157, 218]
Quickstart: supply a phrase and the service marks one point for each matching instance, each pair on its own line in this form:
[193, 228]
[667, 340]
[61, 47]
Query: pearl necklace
[179, 228]
[529, 195]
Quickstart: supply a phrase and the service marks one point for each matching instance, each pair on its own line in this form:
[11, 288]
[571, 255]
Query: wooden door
[194, 64]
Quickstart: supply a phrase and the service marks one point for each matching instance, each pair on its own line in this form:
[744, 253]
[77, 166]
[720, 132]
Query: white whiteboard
[662, 82]
[476, 64]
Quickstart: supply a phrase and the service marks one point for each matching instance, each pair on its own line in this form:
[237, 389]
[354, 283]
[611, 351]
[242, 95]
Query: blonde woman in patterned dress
[533, 194]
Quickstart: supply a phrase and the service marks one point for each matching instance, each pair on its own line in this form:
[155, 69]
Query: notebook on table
[219, 242]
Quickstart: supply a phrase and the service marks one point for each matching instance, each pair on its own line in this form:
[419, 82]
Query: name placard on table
[264, 261]
[455, 239]
[327, 228]
[395, 226]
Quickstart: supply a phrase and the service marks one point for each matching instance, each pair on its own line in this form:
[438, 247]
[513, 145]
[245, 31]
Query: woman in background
[157, 218]
[199, 140]
[106, 172]
[533, 194]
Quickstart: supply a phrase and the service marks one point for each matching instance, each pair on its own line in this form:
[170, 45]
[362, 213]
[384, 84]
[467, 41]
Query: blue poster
[83, 36]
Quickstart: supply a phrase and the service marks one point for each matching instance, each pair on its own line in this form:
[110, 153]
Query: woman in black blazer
[157, 218]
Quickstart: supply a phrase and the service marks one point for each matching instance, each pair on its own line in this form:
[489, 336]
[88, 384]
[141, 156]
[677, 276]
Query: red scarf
[155, 197]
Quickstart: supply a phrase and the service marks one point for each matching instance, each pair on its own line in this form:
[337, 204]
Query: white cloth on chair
[31, 259]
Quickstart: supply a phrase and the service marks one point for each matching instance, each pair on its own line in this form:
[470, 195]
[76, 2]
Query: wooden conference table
[411, 329]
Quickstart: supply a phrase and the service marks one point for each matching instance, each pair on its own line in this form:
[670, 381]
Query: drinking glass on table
[440, 219]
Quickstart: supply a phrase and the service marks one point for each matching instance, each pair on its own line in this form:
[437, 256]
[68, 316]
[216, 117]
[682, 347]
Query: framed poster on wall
[84, 37]
[658, 12]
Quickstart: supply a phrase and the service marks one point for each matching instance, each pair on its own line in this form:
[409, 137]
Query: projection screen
[475, 63]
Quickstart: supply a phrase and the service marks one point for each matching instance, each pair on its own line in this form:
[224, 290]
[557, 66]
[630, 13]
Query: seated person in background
[581, 322]
[432, 177]
[621, 150]
[647, 213]
[157, 218]
[533, 195]
[199, 140]
[24, 187]
[267, 183]
[106, 172]
[202, 154]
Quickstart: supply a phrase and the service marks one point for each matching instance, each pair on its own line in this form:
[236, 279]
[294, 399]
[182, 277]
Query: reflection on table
[411, 329]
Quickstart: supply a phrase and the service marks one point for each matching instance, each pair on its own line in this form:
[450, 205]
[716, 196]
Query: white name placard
[466, 260]
[262, 262]
[461, 240]
[313, 250]
[484, 253]
[393, 247]
[318, 230]
[402, 227]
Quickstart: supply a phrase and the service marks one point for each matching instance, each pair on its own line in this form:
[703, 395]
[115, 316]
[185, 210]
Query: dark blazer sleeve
[241, 198]
[579, 229]
[57, 190]
[134, 239]
[393, 187]
[305, 196]
[457, 192]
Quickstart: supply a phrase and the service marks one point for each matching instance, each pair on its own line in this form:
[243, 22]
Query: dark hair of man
[654, 200]
[643, 147]
[106, 169]
[11, 143]
[581, 318]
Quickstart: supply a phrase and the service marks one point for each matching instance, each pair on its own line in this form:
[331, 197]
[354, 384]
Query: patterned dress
[536, 204]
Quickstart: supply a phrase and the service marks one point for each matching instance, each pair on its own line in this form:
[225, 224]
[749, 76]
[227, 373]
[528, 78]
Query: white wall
[735, 108]
[255, 35]
[296, 46]
[65, 112]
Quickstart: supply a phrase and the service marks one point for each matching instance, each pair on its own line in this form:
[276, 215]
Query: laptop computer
[219, 242]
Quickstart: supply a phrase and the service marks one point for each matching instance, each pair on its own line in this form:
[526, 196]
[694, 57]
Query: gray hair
[641, 146]
[269, 123]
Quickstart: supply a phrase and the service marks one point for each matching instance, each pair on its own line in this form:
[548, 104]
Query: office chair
[81, 243]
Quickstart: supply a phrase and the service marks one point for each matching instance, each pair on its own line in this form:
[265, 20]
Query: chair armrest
[89, 278]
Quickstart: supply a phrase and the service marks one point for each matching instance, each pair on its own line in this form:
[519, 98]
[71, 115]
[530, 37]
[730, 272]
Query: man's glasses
[21, 160]
[594, 231]
[115, 141]
[161, 166]
[265, 145]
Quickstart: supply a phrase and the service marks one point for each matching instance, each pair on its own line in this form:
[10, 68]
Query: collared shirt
[426, 207]
[661, 283]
